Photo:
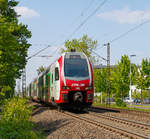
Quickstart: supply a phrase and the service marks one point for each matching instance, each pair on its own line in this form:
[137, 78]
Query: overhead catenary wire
[83, 11]
[72, 33]
[99, 56]
[100, 47]
[43, 56]
[86, 19]
[124, 34]
[38, 52]
[87, 8]
[127, 32]
[101, 4]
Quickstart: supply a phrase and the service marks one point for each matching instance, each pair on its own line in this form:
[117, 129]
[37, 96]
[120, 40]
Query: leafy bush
[15, 121]
[120, 103]
[2, 95]
[5, 92]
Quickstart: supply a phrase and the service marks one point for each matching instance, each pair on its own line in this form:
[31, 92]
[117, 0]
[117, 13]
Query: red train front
[76, 80]
[68, 82]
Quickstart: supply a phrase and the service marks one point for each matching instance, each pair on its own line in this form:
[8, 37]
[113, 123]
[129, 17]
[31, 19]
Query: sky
[54, 21]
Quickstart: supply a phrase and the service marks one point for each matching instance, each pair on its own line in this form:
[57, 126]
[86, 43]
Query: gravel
[55, 125]
[129, 116]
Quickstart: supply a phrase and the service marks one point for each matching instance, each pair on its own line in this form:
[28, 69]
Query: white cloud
[25, 12]
[126, 16]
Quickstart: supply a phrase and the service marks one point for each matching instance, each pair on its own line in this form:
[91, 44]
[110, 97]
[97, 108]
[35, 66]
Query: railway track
[121, 127]
[115, 126]
[124, 121]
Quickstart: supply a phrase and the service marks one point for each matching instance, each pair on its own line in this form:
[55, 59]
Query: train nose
[78, 97]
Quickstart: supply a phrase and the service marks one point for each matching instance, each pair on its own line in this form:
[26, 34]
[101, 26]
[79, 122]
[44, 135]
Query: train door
[41, 88]
[30, 90]
[57, 83]
[36, 92]
[52, 86]
[44, 87]
[47, 88]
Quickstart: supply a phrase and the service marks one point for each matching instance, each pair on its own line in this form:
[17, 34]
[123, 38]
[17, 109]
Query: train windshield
[76, 68]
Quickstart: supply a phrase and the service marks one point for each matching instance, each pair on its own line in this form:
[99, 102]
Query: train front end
[77, 88]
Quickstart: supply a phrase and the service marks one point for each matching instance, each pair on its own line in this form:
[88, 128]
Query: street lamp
[130, 91]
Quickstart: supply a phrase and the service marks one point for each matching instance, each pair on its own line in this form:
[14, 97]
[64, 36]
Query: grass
[140, 106]
[135, 107]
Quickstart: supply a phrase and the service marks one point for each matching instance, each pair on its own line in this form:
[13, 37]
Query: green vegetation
[16, 115]
[120, 103]
[100, 81]
[119, 75]
[40, 70]
[84, 44]
[15, 121]
[141, 108]
[120, 80]
[3, 93]
[143, 76]
[13, 46]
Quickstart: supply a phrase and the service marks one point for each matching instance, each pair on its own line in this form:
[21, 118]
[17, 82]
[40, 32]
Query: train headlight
[66, 87]
[89, 88]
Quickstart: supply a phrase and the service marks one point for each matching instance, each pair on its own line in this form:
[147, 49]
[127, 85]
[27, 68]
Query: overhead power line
[125, 33]
[99, 56]
[100, 47]
[132, 29]
[83, 11]
[87, 8]
[43, 56]
[84, 21]
[38, 52]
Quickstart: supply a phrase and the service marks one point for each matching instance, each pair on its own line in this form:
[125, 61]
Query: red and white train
[67, 83]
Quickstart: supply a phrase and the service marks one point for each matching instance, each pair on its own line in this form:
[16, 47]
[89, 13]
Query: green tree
[84, 44]
[13, 44]
[100, 82]
[143, 76]
[40, 70]
[120, 78]
[133, 76]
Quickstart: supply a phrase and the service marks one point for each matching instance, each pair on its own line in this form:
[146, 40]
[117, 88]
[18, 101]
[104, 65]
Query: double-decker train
[67, 83]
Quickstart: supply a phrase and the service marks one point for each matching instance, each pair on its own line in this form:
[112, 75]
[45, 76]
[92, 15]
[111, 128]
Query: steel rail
[120, 131]
[135, 112]
[125, 121]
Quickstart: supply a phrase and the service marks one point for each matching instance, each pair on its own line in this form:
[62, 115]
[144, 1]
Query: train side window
[56, 74]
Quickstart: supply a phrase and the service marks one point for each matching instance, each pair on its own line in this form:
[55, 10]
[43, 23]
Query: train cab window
[56, 74]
